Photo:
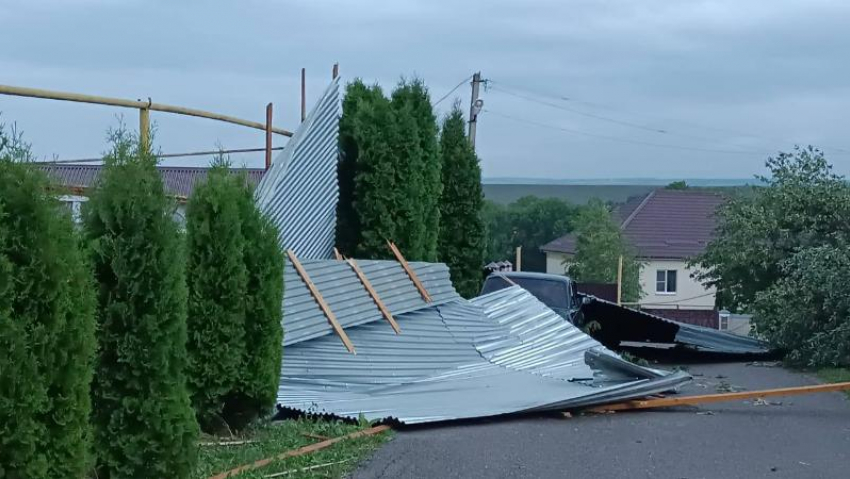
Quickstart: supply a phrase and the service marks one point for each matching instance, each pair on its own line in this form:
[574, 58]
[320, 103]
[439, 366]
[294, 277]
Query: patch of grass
[835, 375]
[272, 438]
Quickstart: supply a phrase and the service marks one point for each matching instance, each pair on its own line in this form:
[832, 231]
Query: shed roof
[663, 224]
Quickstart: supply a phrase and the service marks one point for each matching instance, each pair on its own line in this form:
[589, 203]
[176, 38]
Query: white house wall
[689, 292]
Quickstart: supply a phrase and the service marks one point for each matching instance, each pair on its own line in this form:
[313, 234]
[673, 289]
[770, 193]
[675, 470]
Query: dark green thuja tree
[144, 423]
[217, 280]
[256, 387]
[461, 240]
[47, 322]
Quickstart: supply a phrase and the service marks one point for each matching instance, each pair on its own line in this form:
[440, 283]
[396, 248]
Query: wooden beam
[269, 117]
[723, 397]
[299, 452]
[409, 271]
[366, 284]
[145, 129]
[337, 255]
[138, 104]
[319, 299]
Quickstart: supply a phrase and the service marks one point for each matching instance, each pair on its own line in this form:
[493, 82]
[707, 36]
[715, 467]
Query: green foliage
[389, 172]
[461, 241]
[599, 245]
[677, 185]
[217, 281]
[264, 260]
[807, 311]
[781, 252]
[530, 222]
[144, 424]
[47, 305]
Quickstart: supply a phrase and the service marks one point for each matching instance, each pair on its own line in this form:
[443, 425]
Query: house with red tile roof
[666, 228]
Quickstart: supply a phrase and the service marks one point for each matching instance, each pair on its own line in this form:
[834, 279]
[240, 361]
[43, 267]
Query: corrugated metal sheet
[621, 324]
[499, 354]
[348, 299]
[300, 190]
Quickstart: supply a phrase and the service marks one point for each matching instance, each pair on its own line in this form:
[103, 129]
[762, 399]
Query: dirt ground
[790, 437]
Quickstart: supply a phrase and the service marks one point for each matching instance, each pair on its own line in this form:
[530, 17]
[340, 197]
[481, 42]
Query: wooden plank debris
[366, 284]
[722, 397]
[337, 255]
[319, 299]
[299, 452]
[409, 271]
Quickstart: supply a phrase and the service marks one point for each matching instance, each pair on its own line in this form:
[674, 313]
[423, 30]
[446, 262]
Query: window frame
[666, 282]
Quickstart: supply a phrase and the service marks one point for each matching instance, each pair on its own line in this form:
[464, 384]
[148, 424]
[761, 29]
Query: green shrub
[264, 261]
[47, 307]
[144, 424]
[217, 278]
[462, 242]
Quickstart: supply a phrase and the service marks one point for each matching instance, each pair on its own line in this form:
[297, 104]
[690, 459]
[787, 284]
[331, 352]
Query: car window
[552, 293]
[494, 283]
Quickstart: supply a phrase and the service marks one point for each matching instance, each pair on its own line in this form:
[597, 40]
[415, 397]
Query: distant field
[578, 194]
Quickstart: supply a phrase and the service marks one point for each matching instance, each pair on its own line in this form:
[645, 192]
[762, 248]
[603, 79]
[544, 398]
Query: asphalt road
[791, 437]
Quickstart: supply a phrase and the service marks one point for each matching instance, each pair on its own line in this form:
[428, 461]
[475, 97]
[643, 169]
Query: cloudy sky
[578, 89]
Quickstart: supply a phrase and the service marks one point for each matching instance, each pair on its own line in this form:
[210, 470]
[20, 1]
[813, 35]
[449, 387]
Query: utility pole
[474, 108]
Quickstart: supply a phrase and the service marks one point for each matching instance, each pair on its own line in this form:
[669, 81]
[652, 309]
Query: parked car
[557, 292]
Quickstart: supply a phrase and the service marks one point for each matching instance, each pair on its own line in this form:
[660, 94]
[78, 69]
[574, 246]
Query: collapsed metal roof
[299, 192]
[620, 324]
[498, 354]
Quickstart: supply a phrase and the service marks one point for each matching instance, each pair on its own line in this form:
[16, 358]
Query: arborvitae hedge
[462, 241]
[217, 277]
[258, 383]
[47, 325]
[144, 424]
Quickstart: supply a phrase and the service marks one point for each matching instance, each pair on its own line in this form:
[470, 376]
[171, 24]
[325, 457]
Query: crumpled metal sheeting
[299, 192]
[346, 296]
[621, 324]
[538, 340]
[434, 372]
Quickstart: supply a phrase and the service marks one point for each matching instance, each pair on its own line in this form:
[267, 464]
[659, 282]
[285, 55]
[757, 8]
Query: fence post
[144, 129]
[620, 280]
[268, 136]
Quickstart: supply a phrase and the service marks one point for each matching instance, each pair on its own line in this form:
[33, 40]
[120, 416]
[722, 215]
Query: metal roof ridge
[637, 210]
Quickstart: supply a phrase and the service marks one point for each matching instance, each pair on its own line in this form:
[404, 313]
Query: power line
[452, 91]
[565, 98]
[622, 140]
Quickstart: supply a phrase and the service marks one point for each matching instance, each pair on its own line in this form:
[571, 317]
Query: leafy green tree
[462, 243]
[599, 245]
[144, 424]
[530, 222]
[217, 280]
[414, 95]
[807, 311]
[348, 221]
[677, 185]
[47, 306]
[772, 241]
[257, 385]
[803, 204]
[409, 167]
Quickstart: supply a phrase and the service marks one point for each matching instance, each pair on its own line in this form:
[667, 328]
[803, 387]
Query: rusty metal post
[303, 94]
[268, 136]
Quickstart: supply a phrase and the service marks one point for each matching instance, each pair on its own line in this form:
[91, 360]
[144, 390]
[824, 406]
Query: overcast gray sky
[580, 89]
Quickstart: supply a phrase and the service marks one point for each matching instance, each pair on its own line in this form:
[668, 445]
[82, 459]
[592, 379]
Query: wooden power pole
[474, 108]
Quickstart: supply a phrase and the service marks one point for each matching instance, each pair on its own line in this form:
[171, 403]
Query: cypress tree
[47, 324]
[461, 241]
[217, 280]
[348, 221]
[258, 383]
[408, 214]
[375, 182]
[426, 185]
[144, 424]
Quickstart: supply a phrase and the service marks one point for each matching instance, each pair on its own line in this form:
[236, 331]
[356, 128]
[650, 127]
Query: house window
[665, 281]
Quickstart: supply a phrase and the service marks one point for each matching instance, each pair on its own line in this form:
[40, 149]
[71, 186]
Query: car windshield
[552, 293]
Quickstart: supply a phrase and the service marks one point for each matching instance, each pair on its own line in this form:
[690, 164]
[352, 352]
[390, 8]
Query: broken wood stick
[305, 469]
[299, 452]
[374, 295]
[226, 443]
[722, 397]
[410, 273]
[319, 299]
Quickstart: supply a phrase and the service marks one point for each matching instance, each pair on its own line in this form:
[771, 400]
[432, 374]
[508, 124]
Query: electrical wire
[452, 90]
[622, 140]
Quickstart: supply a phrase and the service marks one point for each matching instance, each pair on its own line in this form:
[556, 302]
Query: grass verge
[835, 375]
[272, 438]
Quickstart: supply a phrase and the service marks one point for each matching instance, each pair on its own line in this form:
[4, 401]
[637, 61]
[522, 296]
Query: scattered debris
[765, 364]
[764, 402]
[226, 443]
[305, 469]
